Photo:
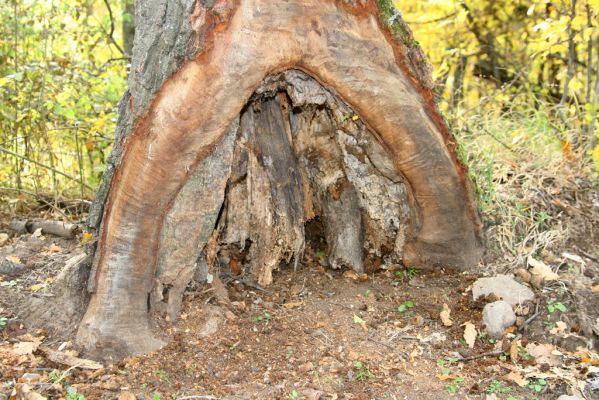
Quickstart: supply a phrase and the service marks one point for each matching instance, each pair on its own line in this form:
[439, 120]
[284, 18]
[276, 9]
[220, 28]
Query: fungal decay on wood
[259, 143]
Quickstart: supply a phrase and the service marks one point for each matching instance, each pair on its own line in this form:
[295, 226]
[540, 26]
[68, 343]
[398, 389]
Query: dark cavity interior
[298, 178]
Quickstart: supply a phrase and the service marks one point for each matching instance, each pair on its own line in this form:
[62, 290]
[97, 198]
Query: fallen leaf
[354, 276]
[595, 288]
[544, 354]
[360, 321]
[54, 248]
[542, 270]
[37, 233]
[3, 239]
[514, 351]
[86, 238]
[444, 315]
[293, 304]
[517, 378]
[560, 328]
[13, 259]
[469, 334]
[24, 348]
[37, 287]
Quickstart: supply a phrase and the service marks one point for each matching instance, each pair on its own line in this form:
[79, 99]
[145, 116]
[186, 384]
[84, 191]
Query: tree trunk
[253, 129]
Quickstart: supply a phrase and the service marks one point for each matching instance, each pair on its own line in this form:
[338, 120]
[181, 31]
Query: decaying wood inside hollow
[219, 166]
[298, 153]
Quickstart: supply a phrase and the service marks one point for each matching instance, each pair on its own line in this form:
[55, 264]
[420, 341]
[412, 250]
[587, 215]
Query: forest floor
[317, 333]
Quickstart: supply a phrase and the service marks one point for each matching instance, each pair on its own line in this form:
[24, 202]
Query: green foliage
[264, 317]
[537, 385]
[61, 76]
[553, 306]
[497, 387]
[363, 371]
[294, 395]
[405, 306]
[3, 323]
[454, 386]
[75, 396]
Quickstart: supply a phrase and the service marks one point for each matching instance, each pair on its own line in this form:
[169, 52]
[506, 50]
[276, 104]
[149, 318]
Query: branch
[111, 33]
[12, 153]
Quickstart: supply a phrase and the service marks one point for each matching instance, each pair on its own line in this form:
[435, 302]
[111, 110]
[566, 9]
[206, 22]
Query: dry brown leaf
[54, 248]
[514, 351]
[560, 328]
[293, 304]
[595, 288]
[542, 270]
[445, 315]
[13, 259]
[354, 276]
[517, 378]
[544, 354]
[24, 348]
[469, 334]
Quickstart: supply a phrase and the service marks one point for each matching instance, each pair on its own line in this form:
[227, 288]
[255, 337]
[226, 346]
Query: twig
[111, 33]
[58, 210]
[399, 352]
[587, 255]
[529, 320]
[482, 355]
[12, 153]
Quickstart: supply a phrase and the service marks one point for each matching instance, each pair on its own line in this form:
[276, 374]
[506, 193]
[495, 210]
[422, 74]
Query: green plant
[162, 375]
[156, 396]
[294, 395]
[3, 323]
[363, 372]
[10, 284]
[454, 386]
[537, 385]
[443, 367]
[263, 317]
[553, 306]
[75, 396]
[405, 306]
[497, 387]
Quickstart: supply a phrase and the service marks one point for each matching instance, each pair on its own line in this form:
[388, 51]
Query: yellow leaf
[87, 237]
[355, 117]
[36, 287]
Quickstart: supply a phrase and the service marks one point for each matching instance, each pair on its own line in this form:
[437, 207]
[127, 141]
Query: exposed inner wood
[298, 153]
[348, 52]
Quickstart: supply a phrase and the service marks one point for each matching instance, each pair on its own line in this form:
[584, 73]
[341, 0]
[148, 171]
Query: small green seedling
[497, 387]
[3, 323]
[10, 284]
[537, 385]
[162, 375]
[294, 395]
[553, 306]
[75, 396]
[363, 371]
[156, 396]
[405, 306]
[454, 386]
[264, 317]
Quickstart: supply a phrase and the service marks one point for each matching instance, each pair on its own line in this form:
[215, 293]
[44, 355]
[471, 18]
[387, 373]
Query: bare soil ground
[317, 333]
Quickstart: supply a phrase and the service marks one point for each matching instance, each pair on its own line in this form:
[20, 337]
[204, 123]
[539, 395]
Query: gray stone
[504, 287]
[10, 268]
[497, 316]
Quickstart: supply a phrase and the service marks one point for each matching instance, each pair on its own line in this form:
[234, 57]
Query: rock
[497, 316]
[11, 268]
[503, 286]
[566, 397]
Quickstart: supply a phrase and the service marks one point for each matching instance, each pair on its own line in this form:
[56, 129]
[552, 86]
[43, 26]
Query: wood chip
[445, 315]
[65, 359]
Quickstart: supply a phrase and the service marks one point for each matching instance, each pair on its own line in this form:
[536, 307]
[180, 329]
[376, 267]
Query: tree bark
[236, 132]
